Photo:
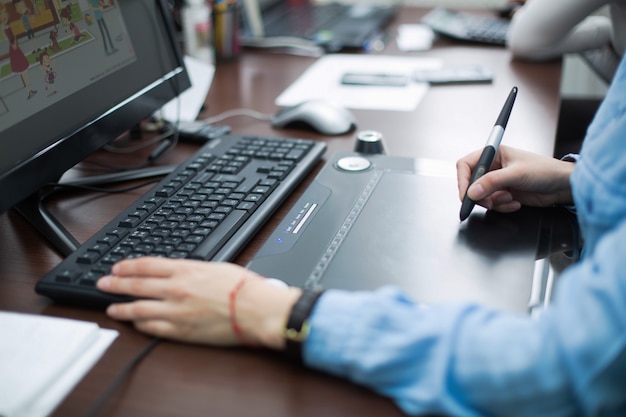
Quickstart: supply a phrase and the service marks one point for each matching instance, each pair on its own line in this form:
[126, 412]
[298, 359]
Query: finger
[501, 198]
[135, 287]
[495, 199]
[492, 182]
[160, 328]
[140, 310]
[464, 168]
[508, 207]
[145, 266]
[172, 330]
[154, 319]
[501, 201]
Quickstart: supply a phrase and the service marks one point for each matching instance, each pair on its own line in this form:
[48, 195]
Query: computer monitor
[74, 75]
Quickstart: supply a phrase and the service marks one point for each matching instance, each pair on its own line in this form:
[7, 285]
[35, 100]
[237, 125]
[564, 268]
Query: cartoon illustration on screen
[25, 13]
[17, 60]
[59, 37]
[66, 19]
[98, 6]
[49, 73]
[54, 42]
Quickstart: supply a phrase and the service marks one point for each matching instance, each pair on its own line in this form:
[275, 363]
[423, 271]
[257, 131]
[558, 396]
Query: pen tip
[466, 208]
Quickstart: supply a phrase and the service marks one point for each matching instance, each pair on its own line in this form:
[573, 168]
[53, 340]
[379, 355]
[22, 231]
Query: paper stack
[43, 358]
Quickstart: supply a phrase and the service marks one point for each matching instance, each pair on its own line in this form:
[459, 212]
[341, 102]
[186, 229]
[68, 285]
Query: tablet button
[353, 163]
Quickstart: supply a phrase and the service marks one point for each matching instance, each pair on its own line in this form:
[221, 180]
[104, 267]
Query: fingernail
[475, 192]
[112, 310]
[104, 283]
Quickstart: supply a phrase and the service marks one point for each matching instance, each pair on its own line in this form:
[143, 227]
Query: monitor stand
[33, 208]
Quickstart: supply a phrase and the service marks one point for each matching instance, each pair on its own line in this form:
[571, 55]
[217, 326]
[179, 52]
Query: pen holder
[226, 29]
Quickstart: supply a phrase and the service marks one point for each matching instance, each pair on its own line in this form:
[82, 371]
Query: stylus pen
[489, 151]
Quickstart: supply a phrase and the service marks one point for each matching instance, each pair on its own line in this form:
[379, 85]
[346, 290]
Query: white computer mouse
[322, 116]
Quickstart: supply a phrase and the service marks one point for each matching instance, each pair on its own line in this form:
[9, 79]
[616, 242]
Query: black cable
[103, 190]
[109, 168]
[105, 168]
[97, 405]
[122, 149]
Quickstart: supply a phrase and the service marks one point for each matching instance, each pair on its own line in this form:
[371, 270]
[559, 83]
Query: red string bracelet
[233, 319]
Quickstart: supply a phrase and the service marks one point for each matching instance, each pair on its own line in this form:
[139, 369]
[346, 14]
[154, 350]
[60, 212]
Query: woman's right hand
[516, 178]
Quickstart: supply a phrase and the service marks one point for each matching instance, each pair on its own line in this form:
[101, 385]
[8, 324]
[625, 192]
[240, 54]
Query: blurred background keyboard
[467, 26]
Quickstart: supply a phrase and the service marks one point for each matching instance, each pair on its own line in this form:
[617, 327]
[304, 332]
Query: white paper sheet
[42, 358]
[415, 37]
[189, 103]
[322, 80]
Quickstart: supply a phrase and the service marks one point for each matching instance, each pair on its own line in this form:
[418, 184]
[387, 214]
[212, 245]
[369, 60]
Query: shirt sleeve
[546, 29]
[468, 360]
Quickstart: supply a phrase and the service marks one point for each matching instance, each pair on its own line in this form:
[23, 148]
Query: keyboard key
[88, 258]
[66, 276]
[215, 241]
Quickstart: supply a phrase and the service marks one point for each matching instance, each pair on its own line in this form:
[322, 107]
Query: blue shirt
[468, 360]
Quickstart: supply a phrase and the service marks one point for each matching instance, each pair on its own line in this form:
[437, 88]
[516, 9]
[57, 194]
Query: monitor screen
[74, 75]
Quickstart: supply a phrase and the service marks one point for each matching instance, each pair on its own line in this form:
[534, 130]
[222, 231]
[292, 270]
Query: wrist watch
[297, 327]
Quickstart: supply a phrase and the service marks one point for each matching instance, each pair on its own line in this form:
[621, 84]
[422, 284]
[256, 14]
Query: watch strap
[297, 327]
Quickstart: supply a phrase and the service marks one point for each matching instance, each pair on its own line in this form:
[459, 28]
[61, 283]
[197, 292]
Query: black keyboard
[208, 208]
[468, 27]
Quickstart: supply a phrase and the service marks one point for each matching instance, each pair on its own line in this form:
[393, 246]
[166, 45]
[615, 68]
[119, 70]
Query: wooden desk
[182, 380]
